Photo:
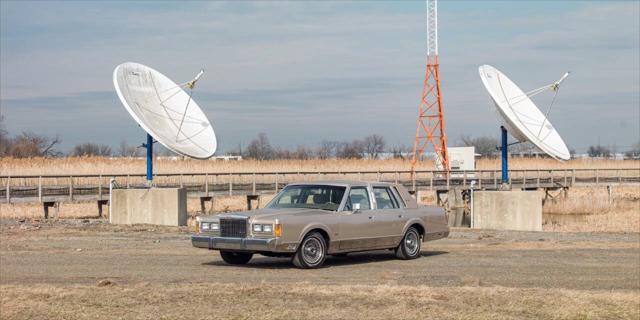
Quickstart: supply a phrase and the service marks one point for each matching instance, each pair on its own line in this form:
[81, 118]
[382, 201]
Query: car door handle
[399, 216]
[371, 217]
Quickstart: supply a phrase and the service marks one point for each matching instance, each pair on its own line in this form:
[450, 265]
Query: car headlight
[214, 226]
[262, 228]
[205, 226]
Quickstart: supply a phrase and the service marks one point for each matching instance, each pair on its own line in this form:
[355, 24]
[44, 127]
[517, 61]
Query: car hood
[268, 213]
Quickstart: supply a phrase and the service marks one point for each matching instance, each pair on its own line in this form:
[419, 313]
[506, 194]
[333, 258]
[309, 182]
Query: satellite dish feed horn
[556, 84]
[192, 83]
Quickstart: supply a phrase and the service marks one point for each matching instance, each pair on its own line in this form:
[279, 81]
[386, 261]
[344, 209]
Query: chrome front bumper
[240, 244]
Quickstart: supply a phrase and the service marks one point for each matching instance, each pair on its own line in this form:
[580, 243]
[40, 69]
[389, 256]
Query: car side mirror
[356, 208]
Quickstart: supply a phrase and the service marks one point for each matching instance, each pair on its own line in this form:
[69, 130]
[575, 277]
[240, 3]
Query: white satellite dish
[520, 115]
[164, 110]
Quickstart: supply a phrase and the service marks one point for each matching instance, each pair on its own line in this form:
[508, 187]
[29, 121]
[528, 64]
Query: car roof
[343, 183]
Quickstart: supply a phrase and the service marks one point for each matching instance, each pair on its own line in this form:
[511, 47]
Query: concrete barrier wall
[159, 206]
[507, 210]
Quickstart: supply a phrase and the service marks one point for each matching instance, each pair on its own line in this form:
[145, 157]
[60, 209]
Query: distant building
[226, 158]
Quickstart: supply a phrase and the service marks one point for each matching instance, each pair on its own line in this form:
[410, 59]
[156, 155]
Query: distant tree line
[370, 147]
[374, 146]
[599, 151]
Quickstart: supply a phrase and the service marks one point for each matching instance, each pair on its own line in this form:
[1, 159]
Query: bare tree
[92, 149]
[634, 152]
[235, 151]
[327, 149]
[598, 151]
[351, 150]
[282, 153]
[5, 141]
[401, 152]
[302, 152]
[29, 144]
[486, 146]
[125, 150]
[374, 145]
[260, 148]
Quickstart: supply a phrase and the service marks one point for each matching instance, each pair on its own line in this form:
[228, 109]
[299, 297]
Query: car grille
[233, 228]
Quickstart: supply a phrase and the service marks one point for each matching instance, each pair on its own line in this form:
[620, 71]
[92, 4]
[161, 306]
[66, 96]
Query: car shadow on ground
[261, 262]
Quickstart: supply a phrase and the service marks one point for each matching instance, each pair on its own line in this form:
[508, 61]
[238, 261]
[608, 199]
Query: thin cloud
[331, 70]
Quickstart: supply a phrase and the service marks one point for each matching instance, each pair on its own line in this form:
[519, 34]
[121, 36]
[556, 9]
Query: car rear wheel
[232, 257]
[312, 252]
[409, 248]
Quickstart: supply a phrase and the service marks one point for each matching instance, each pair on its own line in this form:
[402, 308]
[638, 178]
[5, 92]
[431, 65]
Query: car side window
[384, 198]
[398, 197]
[358, 195]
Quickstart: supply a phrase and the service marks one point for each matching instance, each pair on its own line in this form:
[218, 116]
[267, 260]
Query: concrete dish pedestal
[158, 206]
[507, 210]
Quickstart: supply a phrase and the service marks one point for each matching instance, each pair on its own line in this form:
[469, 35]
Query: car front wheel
[409, 248]
[232, 257]
[312, 252]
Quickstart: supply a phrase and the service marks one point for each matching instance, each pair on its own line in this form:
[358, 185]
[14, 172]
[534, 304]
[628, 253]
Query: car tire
[312, 252]
[232, 257]
[409, 247]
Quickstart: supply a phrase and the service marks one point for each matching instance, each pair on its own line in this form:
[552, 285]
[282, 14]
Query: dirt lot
[77, 269]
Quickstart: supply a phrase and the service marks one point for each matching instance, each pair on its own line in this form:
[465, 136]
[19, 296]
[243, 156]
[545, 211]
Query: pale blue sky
[307, 71]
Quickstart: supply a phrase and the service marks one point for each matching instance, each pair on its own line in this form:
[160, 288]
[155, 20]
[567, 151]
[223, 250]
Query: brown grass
[586, 209]
[82, 210]
[98, 165]
[594, 209]
[108, 300]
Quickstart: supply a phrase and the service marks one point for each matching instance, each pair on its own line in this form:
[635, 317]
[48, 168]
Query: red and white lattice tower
[430, 128]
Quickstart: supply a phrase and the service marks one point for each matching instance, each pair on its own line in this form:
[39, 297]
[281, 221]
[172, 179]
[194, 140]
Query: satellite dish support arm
[189, 84]
[555, 87]
[508, 145]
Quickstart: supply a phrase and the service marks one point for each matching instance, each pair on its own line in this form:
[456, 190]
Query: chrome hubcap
[312, 251]
[411, 243]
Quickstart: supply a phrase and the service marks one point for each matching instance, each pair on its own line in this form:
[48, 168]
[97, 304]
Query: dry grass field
[585, 209]
[591, 209]
[72, 269]
[310, 301]
[105, 166]
[538, 280]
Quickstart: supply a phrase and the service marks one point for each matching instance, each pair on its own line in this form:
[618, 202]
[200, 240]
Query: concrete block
[507, 210]
[159, 206]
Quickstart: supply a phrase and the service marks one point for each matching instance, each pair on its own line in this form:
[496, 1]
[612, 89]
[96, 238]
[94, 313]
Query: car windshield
[309, 196]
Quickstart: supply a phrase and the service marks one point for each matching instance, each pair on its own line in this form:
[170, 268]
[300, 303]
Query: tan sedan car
[308, 221]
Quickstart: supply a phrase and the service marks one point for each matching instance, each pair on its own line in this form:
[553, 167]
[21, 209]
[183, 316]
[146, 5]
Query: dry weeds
[310, 301]
[105, 166]
[82, 210]
[593, 209]
[586, 209]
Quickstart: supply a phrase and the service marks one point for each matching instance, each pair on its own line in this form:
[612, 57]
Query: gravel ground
[90, 253]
